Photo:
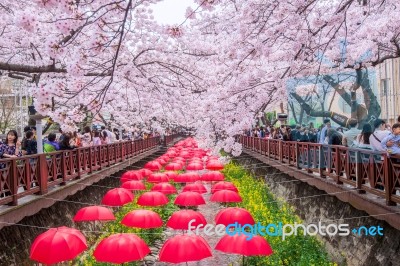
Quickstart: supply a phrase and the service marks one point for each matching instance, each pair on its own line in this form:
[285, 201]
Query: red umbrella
[179, 220]
[57, 245]
[165, 157]
[195, 187]
[157, 178]
[187, 177]
[214, 165]
[185, 154]
[171, 175]
[134, 185]
[223, 186]
[225, 196]
[180, 159]
[213, 176]
[142, 219]
[121, 248]
[185, 248]
[242, 245]
[161, 161]
[145, 172]
[174, 166]
[212, 158]
[117, 197]
[165, 188]
[94, 213]
[153, 166]
[153, 198]
[171, 153]
[232, 215]
[131, 175]
[189, 199]
[194, 166]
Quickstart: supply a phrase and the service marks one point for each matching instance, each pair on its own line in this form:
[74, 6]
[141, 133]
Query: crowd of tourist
[13, 146]
[379, 136]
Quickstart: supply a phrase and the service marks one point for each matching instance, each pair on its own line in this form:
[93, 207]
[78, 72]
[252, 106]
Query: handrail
[365, 170]
[35, 174]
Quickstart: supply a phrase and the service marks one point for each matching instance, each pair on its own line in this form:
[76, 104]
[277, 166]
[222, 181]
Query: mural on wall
[338, 96]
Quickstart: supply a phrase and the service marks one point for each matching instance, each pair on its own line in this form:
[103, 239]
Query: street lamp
[39, 129]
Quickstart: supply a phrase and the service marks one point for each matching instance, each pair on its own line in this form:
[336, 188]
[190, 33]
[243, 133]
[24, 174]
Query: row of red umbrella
[191, 197]
[168, 188]
[179, 220]
[188, 177]
[130, 247]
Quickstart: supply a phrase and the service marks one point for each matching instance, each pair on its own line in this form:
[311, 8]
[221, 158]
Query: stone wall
[15, 240]
[312, 206]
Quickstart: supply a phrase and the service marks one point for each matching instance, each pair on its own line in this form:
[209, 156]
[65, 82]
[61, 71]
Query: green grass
[267, 209]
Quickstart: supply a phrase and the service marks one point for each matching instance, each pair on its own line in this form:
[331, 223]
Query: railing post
[297, 155]
[91, 150]
[281, 151]
[389, 184]
[268, 148]
[99, 156]
[27, 175]
[108, 155]
[78, 161]
[116, 152]
[44, 173]
[308, 159]
[14, 183]
[63, 168]
[359, 177]
[338, 166]
[124, 146]
[321, 161]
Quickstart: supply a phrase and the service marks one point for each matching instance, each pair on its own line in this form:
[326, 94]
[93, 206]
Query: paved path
[209, 211]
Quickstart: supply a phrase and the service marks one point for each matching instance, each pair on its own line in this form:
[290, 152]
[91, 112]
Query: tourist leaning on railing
[50, 145]
[96, 139]
[379, 134]
[65, 144]
[363, 139]
[350, 135]
[395, 138]
[11, 148]
[31, 144]
[323, 135]
[87, 138]
[334, 138]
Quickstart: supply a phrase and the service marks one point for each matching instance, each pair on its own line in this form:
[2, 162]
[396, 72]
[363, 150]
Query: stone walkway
[209, 211]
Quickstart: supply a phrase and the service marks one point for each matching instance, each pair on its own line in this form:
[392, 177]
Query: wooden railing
[170, 138]
[35, 174]
[365, 170]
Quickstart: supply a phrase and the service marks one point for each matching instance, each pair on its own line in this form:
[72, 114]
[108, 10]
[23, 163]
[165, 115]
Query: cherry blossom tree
[227, 62]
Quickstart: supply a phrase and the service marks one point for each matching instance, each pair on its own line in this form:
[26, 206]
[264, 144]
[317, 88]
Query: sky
[171, 11]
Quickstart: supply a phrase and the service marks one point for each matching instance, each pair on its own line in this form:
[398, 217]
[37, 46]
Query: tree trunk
[338, 118]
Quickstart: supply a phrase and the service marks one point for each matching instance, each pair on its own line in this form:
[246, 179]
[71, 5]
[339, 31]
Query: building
[14, 100]
[388, 79]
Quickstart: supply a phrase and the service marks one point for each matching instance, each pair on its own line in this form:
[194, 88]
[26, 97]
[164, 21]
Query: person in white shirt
[96, 138]
[110, 136]
[87, 138]
[379, 134]
[350, 135]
